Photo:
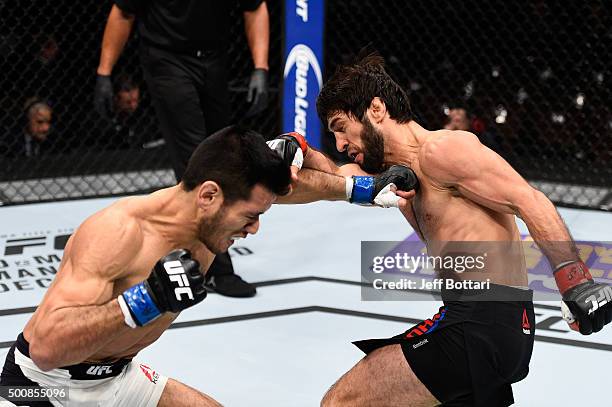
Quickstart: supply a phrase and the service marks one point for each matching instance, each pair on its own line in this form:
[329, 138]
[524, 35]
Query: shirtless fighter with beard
[467, 194]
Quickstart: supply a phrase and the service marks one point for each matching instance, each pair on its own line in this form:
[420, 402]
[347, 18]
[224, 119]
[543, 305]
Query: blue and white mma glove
[175, 283]
[378, 190]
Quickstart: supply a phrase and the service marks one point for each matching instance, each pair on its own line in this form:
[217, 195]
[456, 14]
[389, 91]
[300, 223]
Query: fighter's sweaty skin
[154, 242]
[440, 213]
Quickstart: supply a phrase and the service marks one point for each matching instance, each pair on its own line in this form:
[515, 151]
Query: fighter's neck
[403, 143]
[175, 216]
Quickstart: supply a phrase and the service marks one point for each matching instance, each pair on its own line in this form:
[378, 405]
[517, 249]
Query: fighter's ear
[377, 110]
[209, 193]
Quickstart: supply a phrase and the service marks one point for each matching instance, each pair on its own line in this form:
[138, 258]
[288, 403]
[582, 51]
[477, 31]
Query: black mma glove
[292, 148]
[257, 94]
[376, 190]
[175, 283]
[103, 96]
[587, 305]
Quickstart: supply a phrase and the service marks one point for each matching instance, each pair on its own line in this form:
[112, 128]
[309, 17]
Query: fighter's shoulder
[447, 150]
[114, 231]
[446, 141]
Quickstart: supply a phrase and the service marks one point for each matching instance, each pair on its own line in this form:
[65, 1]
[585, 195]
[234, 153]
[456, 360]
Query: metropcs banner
[303, 73]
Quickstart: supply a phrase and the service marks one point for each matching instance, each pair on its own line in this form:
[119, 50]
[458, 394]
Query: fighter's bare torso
[152, 239]
[440, 213]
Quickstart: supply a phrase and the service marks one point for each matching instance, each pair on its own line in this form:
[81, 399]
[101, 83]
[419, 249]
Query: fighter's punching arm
[321, 179]
[458, 160]
[80, 313]
[116, 33]
[313, 185]
[316, 160]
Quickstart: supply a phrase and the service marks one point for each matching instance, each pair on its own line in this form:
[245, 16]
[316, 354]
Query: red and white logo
[526, 325]
[151, 374]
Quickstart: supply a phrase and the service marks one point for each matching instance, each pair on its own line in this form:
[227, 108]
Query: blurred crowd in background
[531, 79]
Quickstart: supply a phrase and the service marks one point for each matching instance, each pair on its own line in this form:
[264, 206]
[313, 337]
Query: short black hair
[237, 159]
[353, 86]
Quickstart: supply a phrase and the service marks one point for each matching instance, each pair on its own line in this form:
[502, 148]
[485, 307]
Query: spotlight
[500, 114]
[580, 100]
[557, 118]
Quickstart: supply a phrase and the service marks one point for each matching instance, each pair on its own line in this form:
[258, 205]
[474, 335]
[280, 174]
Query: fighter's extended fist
[587, 304]
[175, 283]
[378, 190]
[292, 148]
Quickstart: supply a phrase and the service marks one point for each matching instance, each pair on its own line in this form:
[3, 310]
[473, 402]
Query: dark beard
[209, 229]
[373, 148]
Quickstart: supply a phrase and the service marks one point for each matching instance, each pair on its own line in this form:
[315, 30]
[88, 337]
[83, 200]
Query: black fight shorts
[470, 352]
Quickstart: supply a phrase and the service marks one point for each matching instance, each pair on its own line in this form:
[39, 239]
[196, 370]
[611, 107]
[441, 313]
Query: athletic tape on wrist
[141, 304]
[127, 315]
[349, 187]
[363, 189]
[298, 159]
[570, 274]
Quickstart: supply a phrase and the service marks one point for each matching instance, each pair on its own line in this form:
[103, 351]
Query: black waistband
[489, 293]
[81, 371]
[498, 303]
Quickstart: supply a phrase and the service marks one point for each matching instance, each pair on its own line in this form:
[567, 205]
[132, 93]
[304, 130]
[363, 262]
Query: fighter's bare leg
[383, 378]
[177, 394]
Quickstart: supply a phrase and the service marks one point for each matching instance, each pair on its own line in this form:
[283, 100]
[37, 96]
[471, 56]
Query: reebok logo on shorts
[152, 375]
[419, 344]
[526, 326]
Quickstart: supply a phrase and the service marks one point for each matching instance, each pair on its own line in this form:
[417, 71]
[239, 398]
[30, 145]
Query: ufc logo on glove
[177, 274]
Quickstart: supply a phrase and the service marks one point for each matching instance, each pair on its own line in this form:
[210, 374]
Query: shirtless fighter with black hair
[130, 269]
[470, 352]
[112, 297]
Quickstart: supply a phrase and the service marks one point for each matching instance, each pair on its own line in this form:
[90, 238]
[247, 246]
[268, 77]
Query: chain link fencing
[53, 145]
[531, 79]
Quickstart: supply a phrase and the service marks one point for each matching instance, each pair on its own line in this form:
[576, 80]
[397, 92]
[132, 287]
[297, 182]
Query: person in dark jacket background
[183, 53]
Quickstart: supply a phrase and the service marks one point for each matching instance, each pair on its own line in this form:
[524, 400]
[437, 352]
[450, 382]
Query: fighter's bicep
[76, 286]
[100, 252]
[459, 161]
[492, 182]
